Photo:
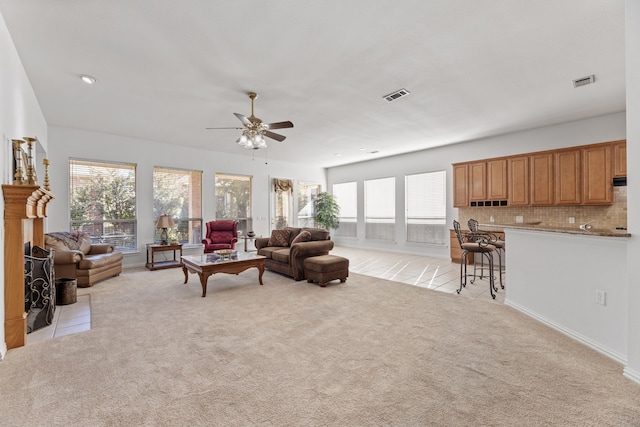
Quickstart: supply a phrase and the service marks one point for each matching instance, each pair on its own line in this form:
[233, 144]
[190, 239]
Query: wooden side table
[152, 264]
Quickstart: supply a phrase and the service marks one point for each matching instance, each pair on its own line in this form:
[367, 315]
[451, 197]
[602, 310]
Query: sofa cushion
[95, 261]
[268, 251]
[281, 255]
[304, 236]
[279, 238]
[294, 233]
[318, 233]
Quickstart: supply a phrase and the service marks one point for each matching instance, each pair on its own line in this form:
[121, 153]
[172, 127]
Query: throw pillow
[279, 238]
[304, 236]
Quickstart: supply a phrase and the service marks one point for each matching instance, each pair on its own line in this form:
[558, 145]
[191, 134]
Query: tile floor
[433, 273]
[68, 319]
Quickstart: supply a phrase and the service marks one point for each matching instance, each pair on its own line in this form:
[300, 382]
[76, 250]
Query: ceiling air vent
[396, 95]
[584, 81]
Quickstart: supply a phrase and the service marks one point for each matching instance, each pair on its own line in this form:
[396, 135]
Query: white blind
[178, 193]
[380, 208]
[346, 194]
[380, 199]
[426, 208]
[426, 196]
[102, 201]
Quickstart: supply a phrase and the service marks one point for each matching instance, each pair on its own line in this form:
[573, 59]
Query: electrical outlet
[601, 297]
[519, 219]
[492, 219]
[572, 220]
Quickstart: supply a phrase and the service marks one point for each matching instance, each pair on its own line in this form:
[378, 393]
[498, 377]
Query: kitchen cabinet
[478, 181]
[598, 175]
[460, 186]
[568, 179]
[518, 181]
[541, 190]
[497, 179]
[619, 158]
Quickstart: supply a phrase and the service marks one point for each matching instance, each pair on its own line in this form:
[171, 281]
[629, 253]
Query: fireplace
[39, 288]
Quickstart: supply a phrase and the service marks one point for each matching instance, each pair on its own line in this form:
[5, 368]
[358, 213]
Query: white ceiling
[168, 69]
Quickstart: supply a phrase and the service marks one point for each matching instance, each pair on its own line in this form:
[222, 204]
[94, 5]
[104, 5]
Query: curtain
[282, 185]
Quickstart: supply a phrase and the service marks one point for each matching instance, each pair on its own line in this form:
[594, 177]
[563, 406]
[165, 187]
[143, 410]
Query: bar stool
[474, 244]
[495, 241]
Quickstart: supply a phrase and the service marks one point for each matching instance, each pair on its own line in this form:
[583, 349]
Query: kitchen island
[572, 280]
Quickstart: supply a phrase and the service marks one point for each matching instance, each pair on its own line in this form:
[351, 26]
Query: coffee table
[207, 264]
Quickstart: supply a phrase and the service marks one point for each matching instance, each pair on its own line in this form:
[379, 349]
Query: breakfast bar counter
[572, 280]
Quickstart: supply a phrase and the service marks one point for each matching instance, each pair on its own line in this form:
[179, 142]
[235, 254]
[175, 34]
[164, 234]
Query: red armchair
[221, 234]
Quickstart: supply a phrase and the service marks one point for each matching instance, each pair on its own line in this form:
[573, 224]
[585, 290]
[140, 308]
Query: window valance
[282, 185]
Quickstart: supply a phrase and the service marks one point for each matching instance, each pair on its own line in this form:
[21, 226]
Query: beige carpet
[365, 353]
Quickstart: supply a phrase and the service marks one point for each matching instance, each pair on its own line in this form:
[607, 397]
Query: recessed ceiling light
[88, 79]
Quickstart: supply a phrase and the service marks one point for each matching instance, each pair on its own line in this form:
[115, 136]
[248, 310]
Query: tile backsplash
[603, 217]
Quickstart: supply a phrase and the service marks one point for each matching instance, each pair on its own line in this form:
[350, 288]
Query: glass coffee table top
[213, 258]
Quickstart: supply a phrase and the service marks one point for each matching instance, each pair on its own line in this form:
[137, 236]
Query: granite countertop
[537, 226]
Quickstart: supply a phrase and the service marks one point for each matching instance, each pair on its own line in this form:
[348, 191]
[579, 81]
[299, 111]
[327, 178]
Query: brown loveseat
[288, 258]
[75, 257]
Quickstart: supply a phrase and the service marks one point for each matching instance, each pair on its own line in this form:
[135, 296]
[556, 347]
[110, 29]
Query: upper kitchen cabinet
[518, 180]
[497, 179]
[478, 181]
[619, 158]
[598, 175]
[568, 177]
[460, 186]
[541, 190]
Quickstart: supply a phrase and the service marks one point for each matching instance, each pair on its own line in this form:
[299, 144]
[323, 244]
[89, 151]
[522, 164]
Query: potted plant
[327, 211]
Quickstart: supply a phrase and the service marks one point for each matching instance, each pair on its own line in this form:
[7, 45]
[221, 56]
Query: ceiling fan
[255, 130]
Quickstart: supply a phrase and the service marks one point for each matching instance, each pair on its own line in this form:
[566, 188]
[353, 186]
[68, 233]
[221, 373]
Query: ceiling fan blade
[227, 128]
[280, 125]
[275, 136]
[243, 119]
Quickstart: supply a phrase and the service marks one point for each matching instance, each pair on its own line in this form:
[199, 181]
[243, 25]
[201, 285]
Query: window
[306, 196]
[233, 200]
[282, 203]
[380, 208]
[426, 208]
[103, 202]
[346, 194]
[178, 193]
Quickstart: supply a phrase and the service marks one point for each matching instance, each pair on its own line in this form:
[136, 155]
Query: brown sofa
[75, 257]
[289, 259]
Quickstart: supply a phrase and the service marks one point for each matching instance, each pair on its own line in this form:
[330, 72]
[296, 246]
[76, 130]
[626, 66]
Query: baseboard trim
[620, 358]
[631, 374]
[3, 350]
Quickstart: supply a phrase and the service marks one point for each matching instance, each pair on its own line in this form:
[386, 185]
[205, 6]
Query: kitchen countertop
[567, 230]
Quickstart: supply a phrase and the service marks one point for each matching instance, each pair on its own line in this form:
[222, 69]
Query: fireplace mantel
[25, 207]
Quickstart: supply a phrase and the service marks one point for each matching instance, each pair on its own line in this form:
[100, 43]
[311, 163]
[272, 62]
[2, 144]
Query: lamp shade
[165, 221]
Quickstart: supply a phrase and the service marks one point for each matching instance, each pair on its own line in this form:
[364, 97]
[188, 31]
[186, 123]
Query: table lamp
[164, 222]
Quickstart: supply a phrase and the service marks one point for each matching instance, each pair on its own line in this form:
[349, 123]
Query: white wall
[65, 143]
[632, 17]
[20, 116]
[553, 277]
[599, 129]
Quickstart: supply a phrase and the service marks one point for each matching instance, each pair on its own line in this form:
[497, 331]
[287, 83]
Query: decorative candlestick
[45, 162]
[17, 155]
[31, 172]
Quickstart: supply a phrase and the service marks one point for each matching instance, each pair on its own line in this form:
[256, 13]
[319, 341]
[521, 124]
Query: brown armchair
[221, 234]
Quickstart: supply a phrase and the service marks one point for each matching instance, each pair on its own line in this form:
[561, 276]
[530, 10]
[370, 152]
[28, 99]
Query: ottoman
[325, 268]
